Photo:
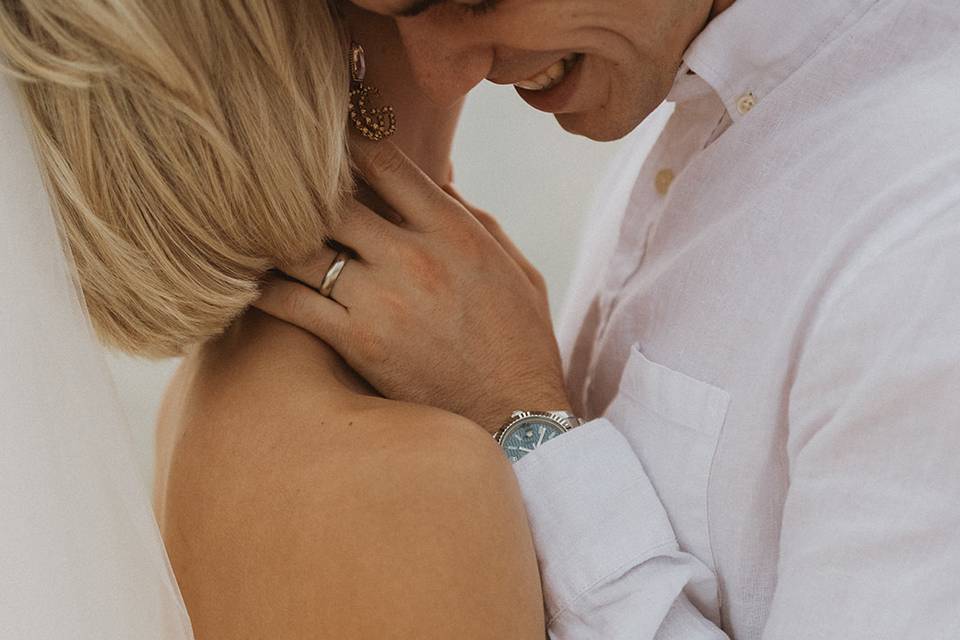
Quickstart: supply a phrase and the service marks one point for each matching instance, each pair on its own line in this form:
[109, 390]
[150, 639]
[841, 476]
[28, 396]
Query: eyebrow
[418, 7]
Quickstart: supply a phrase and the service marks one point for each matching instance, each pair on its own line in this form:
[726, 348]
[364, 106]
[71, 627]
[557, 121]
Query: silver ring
[333, 273]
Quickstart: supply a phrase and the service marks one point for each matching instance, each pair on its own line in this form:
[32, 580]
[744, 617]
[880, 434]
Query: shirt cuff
[593, 512]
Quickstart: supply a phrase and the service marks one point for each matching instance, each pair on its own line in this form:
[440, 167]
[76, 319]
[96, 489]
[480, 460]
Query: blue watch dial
[528, 434]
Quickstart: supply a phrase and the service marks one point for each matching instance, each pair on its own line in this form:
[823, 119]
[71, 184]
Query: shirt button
[663, 180]
[746, 102]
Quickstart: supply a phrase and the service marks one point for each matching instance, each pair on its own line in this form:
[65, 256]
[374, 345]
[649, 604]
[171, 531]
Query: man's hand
[441, 309]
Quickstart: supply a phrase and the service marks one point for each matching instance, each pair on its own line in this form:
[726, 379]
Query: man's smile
[549, 77]
[550, 89]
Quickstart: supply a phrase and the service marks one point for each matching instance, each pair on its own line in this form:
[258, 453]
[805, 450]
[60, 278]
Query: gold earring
[374, 124]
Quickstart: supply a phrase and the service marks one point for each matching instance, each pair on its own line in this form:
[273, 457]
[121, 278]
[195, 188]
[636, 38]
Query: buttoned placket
[695, 124]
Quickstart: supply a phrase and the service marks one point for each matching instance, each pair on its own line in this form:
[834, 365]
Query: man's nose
[447, 62]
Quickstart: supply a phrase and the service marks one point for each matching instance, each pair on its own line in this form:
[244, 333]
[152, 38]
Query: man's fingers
[494, 229]
[347, 288]
[373, 238]
[401, 183]
[313, 269]
[366, 239]
[302, 306]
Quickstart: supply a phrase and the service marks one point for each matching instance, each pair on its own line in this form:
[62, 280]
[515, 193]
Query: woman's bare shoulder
[241, 419]
[352, 515]
[277, 384]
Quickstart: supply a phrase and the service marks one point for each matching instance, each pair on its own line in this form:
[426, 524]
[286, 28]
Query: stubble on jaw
[603, 125]
[649, 92]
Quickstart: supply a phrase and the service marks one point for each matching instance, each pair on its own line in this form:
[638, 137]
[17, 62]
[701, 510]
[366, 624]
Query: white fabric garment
[765, 330]
[80, 552]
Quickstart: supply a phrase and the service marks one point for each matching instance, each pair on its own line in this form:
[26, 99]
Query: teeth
[549, 77]
[556, 70]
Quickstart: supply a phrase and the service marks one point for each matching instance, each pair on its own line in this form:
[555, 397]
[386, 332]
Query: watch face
[527, 435]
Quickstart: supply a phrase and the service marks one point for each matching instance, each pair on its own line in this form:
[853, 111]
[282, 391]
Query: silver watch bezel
[564, 420]
[519, 416]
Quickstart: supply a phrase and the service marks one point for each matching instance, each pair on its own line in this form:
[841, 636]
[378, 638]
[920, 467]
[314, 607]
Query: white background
[509, 160]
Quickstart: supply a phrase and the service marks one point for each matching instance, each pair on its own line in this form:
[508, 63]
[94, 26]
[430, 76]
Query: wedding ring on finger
[333, 274]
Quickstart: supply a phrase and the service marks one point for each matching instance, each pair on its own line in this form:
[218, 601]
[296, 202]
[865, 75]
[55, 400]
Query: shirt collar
[752, 47]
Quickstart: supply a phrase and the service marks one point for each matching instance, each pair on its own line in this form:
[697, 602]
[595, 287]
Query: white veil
[80, 551]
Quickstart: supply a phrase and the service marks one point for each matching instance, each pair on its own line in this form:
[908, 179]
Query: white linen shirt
[765, 332]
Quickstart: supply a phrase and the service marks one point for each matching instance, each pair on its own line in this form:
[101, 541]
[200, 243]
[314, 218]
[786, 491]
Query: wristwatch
[528, 430]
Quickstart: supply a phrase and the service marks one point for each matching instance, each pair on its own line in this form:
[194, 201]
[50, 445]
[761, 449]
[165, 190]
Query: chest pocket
[673, 422]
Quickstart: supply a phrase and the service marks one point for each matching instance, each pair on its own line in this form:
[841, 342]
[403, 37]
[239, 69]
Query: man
[763, 333]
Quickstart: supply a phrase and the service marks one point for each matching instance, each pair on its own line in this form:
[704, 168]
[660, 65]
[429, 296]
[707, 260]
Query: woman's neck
[256, 334]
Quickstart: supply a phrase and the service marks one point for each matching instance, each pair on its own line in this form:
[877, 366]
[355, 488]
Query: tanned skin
[297, 503]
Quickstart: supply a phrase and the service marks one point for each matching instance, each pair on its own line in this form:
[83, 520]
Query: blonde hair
[188, 146]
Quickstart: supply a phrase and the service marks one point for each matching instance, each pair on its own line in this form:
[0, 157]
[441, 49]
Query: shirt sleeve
[870, 541]
[870, 537]
[609, 560]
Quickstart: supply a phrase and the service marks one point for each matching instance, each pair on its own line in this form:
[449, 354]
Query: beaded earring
[374, 124]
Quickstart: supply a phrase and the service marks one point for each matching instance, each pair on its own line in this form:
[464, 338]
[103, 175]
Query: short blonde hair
[188, 145]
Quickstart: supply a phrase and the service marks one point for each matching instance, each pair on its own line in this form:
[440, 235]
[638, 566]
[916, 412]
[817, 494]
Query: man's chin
[597, 126]
[621, 114]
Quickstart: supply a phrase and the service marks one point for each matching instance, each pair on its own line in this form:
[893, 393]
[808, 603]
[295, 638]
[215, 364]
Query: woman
[190, 147]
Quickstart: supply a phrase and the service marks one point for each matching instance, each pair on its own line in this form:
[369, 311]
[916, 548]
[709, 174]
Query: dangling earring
[375, 124]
